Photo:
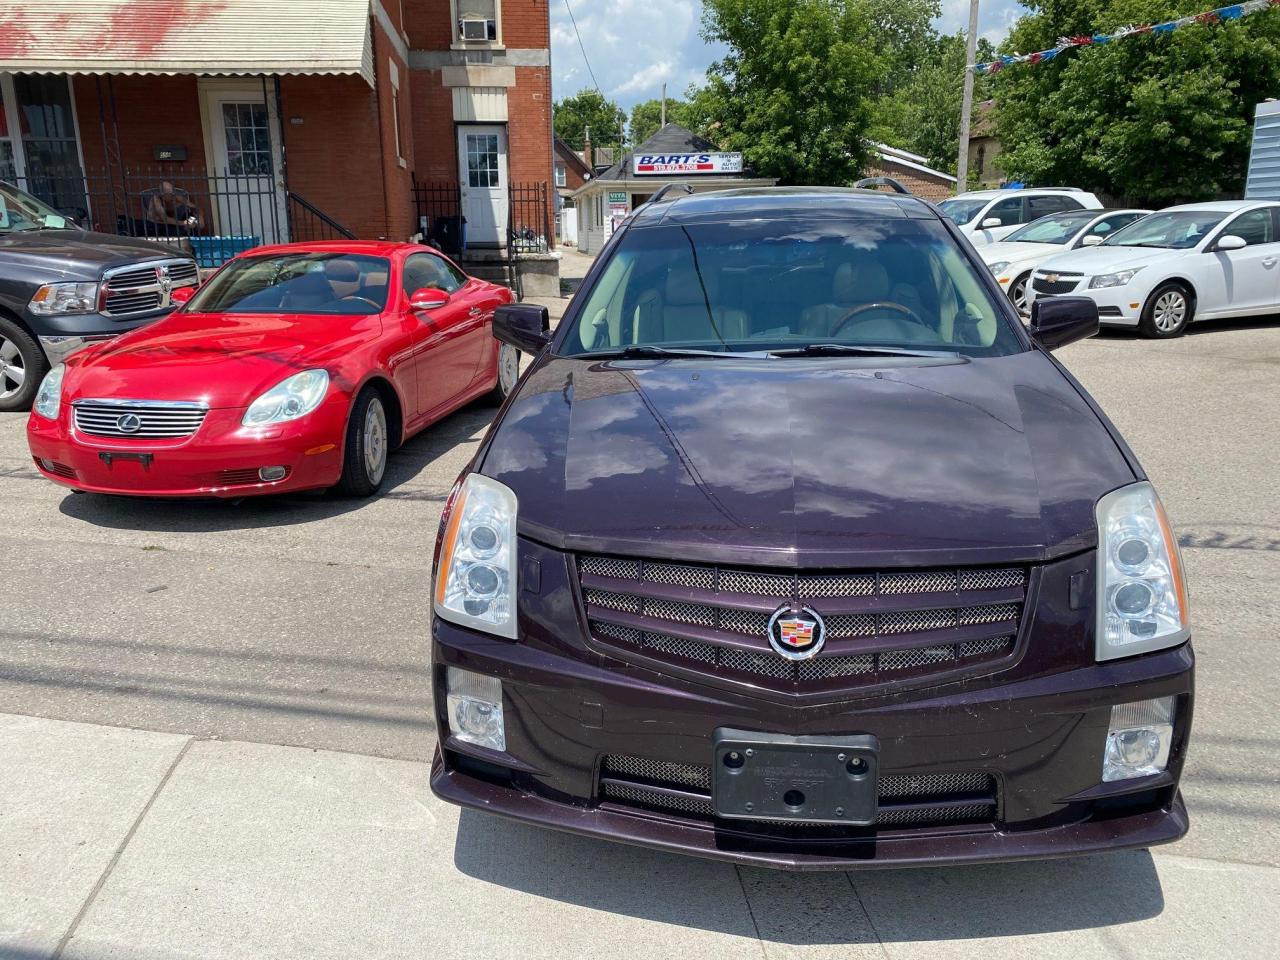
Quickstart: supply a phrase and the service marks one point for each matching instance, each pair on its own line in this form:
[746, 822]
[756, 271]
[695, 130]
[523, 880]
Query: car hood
[1092, 261]
[807, 462]
[1016, 252]
[79, 254]
[221, 360]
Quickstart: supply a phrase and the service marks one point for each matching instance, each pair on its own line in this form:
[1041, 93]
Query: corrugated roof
[206, 37]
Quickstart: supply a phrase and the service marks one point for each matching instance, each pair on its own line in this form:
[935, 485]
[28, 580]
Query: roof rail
[663, 190]
[881, 182]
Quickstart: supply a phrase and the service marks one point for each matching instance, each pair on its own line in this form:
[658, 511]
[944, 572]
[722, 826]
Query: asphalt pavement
[214, 723]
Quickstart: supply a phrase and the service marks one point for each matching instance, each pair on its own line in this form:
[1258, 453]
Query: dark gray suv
[62, 287]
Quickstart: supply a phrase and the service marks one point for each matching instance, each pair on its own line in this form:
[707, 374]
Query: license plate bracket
[805, 779]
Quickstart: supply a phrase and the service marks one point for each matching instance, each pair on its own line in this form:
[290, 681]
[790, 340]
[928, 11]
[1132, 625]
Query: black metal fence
[438, 214]
[530, 218]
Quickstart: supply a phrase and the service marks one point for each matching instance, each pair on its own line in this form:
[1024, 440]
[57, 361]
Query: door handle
[1269, 262]
[474, 312]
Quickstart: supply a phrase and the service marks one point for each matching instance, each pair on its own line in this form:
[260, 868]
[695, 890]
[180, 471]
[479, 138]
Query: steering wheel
[849, 317]
[355, 296]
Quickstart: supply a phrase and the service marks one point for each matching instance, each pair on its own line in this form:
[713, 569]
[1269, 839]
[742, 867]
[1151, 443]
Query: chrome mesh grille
[145, 288]
[680, 647]
[657, 771]
[840, 585]
[683, 576]
[137, 420]
[932, 784]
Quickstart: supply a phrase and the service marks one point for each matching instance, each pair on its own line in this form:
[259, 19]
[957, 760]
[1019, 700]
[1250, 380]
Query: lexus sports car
[294, 367]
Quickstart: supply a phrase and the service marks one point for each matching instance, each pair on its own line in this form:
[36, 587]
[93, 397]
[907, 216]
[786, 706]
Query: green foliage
[794, 92]
[588, 108]
[646, 118]
[1153, 119]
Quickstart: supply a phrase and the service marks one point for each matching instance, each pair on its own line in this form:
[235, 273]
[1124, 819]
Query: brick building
[273, 120]
[911, 170]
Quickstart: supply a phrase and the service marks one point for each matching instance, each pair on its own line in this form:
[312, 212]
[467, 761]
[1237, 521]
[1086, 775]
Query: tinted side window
[427, 270]
[1109, 225]
[1008, 212]
[1254, 227]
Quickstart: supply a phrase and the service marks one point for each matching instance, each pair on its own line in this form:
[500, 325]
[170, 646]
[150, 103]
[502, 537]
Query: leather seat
[852, 287]
[684, 310]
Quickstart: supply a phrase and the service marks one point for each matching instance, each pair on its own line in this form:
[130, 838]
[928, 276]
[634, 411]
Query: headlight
[49, 396]
[1117, 279]
[1142, 596]
[476, 567]
[997, 268]
[289, 399]
[59, 298]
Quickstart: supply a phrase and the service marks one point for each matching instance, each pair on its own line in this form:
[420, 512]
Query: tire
[22, 366]
[1018, 294]
[508, 374]
[1168, 311]
[364, 458]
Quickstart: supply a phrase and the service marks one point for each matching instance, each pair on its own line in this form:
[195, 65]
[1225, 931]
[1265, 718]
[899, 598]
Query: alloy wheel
[1170, 311]
[375, 441]
[13, 369]
[1019, 296]
[508, 367]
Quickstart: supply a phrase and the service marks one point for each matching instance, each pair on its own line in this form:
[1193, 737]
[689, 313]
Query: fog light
[474, 703]
[1138, 740]
[270, 474]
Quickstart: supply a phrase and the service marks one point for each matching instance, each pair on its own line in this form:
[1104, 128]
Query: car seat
[854, 287]
[684, 310]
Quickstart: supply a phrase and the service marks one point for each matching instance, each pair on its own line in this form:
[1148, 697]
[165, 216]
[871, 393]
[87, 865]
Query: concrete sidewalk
[119, 843]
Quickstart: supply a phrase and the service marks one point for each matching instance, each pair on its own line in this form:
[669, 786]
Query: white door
[1244, 280]
[482, 153]
[569, 225]
[247, 194]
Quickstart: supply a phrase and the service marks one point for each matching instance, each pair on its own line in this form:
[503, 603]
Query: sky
[634, 46]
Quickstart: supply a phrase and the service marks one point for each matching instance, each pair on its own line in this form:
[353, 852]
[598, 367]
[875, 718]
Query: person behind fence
[172, 208]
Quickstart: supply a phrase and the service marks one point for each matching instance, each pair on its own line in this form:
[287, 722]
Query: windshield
[1055, 228]
[340, 283]
[782, 284]
[961, 211]
[1176, 231]
[20, 211]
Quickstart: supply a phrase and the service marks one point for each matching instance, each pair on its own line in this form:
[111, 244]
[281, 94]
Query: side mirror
[181, 295]
[1092, 241]
[990, 222]
[428, 298]
[1230, 242]
[525, 326]
[1057, 321]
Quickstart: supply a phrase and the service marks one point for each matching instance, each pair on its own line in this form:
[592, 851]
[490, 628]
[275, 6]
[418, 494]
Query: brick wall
[397, 165]
[152, 111]
[428, 24]
[922, 185]
[435, 144]
[526, 24]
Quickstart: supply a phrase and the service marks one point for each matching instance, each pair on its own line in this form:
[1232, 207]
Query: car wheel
[22, 367]
[1168, 311]
[364, 461]
[1018, 294]
[508, 373]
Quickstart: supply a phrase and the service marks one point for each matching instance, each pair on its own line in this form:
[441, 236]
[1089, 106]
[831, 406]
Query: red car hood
[221, 360]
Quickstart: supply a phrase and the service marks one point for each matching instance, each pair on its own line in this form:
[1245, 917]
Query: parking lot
[244, 771]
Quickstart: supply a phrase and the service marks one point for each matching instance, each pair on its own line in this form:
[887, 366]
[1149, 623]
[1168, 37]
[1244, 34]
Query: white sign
[662, 164]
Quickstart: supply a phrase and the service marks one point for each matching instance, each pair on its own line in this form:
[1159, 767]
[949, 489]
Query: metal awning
[202, 37]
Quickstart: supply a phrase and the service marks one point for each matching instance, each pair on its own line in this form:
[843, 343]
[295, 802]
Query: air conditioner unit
[476, 29]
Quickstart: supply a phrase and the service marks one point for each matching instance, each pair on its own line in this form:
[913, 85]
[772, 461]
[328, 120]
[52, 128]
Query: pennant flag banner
[1233, 12]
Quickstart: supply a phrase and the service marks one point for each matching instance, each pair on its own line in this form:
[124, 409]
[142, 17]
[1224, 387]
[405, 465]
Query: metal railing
[437, 210]
[307, 222]
[529, 218]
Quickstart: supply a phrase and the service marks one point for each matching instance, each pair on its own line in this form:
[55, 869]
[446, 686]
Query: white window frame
[562, 175]
[9, 96]
[459, 44]
[394, 72]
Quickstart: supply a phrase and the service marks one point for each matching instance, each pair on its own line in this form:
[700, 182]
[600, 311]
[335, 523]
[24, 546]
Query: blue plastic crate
[215, 251]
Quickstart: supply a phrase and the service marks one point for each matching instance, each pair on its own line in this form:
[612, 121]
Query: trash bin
[215, 251]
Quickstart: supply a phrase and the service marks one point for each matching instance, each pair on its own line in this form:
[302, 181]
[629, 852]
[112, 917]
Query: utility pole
[664, 105]
[966, 105]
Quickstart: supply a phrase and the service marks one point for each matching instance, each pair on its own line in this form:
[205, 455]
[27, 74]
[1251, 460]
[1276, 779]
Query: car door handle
[474, 312]
[1269, 262]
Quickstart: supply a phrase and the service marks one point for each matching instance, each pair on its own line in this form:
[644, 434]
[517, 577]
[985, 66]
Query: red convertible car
[294, 367]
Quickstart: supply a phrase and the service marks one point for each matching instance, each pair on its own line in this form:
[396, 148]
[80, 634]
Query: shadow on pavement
[190, 516]
[924, 904]
[1198, 329]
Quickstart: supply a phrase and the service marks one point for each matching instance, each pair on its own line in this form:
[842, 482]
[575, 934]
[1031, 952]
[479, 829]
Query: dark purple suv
[793, 547]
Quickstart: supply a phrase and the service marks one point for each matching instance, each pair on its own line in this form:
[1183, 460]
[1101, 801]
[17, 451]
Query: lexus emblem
[797, 633]
[129, 423]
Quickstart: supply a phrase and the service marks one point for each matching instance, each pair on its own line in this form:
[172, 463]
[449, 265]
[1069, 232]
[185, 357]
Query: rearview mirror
[1231, 242]
[1057, 321]
[526, 326]
[990, 222]
[1091, 241]
[180, 295]
[428, 298]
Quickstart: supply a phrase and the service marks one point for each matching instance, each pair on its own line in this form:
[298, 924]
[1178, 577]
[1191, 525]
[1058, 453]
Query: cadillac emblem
[797, 633]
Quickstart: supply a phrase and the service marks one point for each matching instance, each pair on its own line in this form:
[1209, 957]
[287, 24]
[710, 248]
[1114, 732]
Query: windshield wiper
[644, 351]
[853, 350]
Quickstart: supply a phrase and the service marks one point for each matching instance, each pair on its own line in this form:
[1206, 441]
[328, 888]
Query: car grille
[881, 626]
[155, 420]
[905, 800]
[1065, 283]
[141, 289]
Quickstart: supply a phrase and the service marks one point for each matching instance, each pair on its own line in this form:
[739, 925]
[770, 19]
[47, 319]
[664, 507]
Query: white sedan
[1199, 261]
[1013, 258]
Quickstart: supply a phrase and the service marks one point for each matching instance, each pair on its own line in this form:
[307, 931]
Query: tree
[589, 108]
[646, 118]
[1152, 119]
[795, 91]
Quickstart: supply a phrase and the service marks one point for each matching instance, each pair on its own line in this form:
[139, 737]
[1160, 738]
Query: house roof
[162, 37]
[911, 161]
[572, 157]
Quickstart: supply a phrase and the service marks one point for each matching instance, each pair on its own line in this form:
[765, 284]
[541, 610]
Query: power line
[582, 48]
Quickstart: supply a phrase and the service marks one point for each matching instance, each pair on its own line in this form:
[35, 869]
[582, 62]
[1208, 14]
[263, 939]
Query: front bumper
[1041, 738]
[61, 336]
[220, 460]
[1117, 306]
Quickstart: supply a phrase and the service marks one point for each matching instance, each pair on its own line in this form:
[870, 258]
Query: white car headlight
[1142, 596]
[476, 572]
[1117, 279]
[64, 298]
[49, 396]
[997, 268]
[289, 399]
